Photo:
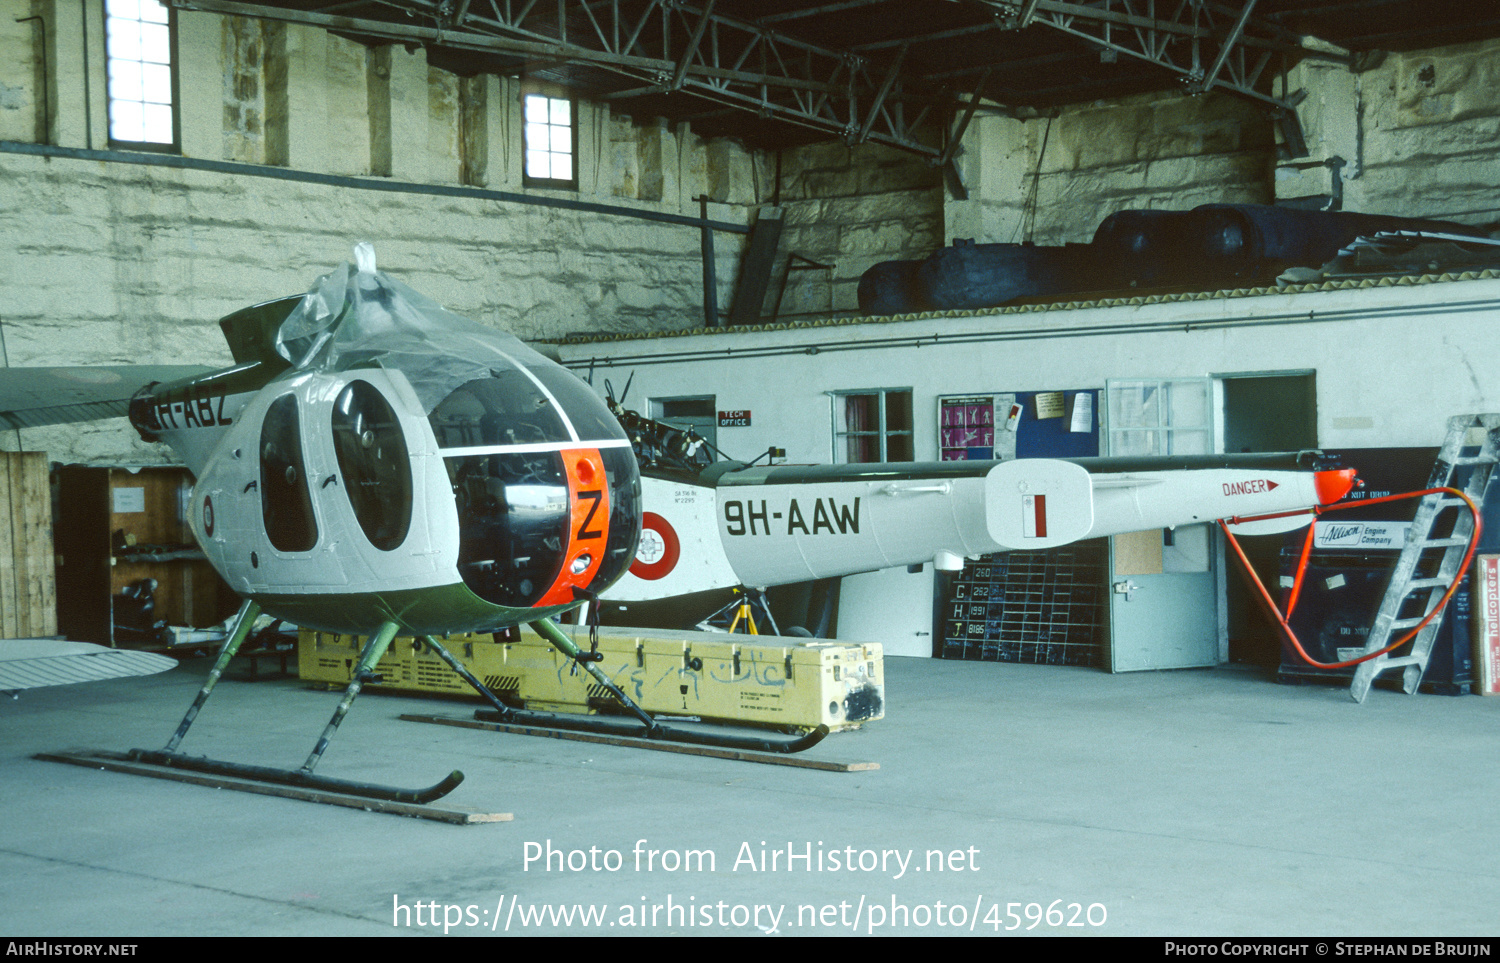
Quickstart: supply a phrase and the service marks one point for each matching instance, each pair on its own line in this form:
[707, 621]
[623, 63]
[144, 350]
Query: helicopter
[374, 464]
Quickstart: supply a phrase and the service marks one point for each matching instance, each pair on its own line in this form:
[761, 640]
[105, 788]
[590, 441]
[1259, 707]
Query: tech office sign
[734, 419]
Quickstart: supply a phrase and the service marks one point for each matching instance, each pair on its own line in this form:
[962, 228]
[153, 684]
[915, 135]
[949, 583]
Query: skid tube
[298, 777]
[304, 777]
[643, 727]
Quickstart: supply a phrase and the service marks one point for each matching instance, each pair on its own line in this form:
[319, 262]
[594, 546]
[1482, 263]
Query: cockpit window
[513, 516]
[624, 481]
[505, 409]
[285, 501]
[373, 461]
[591, 419]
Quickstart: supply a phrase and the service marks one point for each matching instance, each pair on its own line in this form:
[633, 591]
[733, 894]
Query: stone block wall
[850, 208]
[21, 85]
[1413, 135]
[107, 262]
[1410, 134]
[1051, 180]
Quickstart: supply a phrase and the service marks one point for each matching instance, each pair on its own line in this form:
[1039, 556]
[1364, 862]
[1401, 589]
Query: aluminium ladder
[1411, 595]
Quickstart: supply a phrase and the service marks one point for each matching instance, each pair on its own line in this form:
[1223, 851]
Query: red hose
[1307, 552]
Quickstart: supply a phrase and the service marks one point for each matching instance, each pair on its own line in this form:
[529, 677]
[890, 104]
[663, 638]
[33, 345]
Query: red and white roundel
[659, 549]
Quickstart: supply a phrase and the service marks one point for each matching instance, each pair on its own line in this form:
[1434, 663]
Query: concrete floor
[1210, 803]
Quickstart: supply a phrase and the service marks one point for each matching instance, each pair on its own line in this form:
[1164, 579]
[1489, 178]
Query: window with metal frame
[140, 52]
[1168, 416]
[373, 459]
[872, 426]
[550, 136]
[285, 499]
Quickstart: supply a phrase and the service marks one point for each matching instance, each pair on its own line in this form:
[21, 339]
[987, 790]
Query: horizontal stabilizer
[34, 663]
[33, 397]
[1038, 503]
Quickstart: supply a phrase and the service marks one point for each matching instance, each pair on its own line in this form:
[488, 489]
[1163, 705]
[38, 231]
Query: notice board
[1019, 424]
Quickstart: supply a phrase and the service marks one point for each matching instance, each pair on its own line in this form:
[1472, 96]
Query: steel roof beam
[816, 11]
[700, 51]
[879, 101]
[692, 45]
[792, 80]
[1137, 29]
[864, 93]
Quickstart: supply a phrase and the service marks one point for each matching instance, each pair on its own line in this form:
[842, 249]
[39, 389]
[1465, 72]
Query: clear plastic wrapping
[356, 316]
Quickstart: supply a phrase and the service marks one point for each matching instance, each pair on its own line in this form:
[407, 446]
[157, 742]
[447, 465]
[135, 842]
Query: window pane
[139, 48]
[1189, 404]
[1136, 443]
[124, 39]
[898, 411]
[125, 80]
[372, 456]
[506, 408]
[687, 408]
[512, 523]
[536, 109]
[156, 44]
[285, 500]
[584, 409]
[859, 413]
[158, 124]
[156, 83]
[537, 164]
[127, 121]
[863, 449]
[1134, 406]
[1192, 442]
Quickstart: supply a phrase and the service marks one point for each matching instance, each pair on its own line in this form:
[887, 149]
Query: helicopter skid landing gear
[303, 777]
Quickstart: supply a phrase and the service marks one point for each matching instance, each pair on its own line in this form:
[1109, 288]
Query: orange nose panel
[588, 526]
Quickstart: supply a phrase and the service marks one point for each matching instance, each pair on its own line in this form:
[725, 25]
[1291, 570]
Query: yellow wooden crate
[748, 679]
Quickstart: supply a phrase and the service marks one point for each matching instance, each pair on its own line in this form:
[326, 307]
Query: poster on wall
[974, 428]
